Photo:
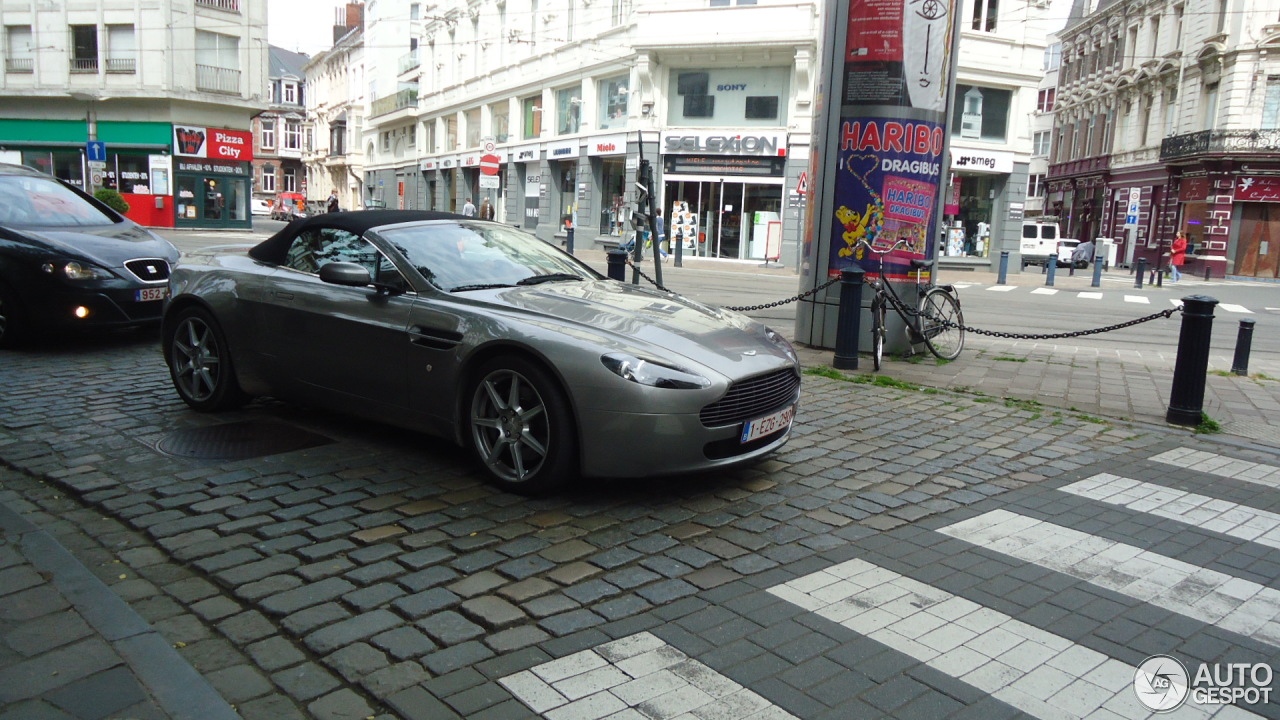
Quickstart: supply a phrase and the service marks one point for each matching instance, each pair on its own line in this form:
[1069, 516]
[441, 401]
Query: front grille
[751, 398]
[149, 269]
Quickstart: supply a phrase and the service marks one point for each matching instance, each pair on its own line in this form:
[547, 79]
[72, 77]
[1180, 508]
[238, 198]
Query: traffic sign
[489, 164]
[802, 185]
[96, 151]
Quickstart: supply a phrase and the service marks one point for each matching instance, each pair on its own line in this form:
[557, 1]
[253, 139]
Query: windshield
[42, 202]
[461, 256]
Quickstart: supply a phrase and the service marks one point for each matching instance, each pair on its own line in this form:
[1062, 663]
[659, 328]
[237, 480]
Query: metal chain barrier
[746, 308]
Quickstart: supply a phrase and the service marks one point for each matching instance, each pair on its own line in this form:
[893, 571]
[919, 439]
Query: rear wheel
[200, 362]
[521, 427]
[877, 332]
[942, 323]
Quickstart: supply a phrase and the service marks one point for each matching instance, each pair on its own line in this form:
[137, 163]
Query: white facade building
[336, 110]
[137, 78]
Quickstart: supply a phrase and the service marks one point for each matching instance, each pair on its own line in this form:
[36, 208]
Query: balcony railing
[391, 103]
[1083, 166]
[84, 65]
[122, 66]
[20, 65]
[228, 5]
[409, 62]
[1221, 142]
[217, 80]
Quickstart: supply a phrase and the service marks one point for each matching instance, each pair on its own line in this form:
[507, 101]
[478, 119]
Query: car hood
[632, 317]
[109, 245]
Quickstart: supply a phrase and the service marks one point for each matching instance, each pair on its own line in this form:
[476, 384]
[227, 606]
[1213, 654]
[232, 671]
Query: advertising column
[880, 148]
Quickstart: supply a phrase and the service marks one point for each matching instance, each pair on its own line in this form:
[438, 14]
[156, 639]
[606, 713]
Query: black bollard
[1097, 271]
[1207, 272]
[617, 265]
[1159, 277]
[1244, 343]
[569, 240]
[1004, 267]
[1052, 265]
[849, 323]
[679, 251]
[1186, 399]
[1142, 272]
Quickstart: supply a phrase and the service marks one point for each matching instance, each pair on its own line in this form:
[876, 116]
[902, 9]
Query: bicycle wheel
[941, 323]
[877, 332]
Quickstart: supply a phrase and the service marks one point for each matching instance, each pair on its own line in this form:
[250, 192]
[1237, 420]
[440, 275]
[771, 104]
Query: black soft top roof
[274, 249]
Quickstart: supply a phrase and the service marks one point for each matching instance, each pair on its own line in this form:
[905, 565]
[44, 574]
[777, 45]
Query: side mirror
[345, 273]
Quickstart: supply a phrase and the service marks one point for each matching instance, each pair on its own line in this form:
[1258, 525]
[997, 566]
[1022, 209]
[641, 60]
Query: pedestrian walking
[469, 209]
[486, 209]
[333, 201]
[1177, 256]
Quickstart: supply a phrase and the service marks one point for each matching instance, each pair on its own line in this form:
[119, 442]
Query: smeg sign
[713, 144]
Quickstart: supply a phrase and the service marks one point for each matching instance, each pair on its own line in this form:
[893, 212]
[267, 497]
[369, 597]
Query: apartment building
[169, 89]
[1042, 130]
[279, 133]
[335, 111]
[1168, 117]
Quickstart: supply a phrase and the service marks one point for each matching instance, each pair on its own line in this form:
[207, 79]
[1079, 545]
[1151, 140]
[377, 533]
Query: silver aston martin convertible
[481, 333]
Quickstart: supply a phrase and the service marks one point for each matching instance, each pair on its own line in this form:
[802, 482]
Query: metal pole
[849, 322]
[1244, 342]
[1097, 271]
[1192, 365]
[1051, 268]
[1004, 267]
[1140, 275]
[617, 265]
[679, 248]
[569, 239]
[1207, 272]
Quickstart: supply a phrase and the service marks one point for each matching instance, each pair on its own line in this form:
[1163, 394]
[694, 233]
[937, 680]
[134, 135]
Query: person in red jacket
[1177, 256]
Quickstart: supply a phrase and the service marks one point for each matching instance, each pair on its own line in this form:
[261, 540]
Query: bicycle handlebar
[902, 242]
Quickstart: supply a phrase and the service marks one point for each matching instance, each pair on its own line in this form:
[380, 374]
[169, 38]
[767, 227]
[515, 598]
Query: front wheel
[521, 427]
[200, 362]
[877, 332]
[942, 324]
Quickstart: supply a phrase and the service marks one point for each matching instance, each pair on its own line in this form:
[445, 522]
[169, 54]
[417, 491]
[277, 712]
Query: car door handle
[283, 295]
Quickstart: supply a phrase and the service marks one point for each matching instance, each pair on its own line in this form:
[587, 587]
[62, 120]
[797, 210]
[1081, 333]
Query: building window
[619, 10]
[20, 58]
[1144, 121]
[291, 180]
[1210, 105]
[451, 133]
[338, 139]
[1131, 48]
[217, 63]
[727, 3]
[472, 117]
[84, 48]
[429, 136]
[1170, 111]
[1155, 36]
[292, 135]
[982, 113]
[568, 111]
[415, 11]
[291, 93]
[412, 133]
[1040, 143]
[612, 96]
[1045, 101]
[500, 119]
[268, 180]
[1222, 15]
[1179, 12]
[121, 49]
[1037, 186]
[985, 13]
[1271, 105]
[268, 139]
[386, 141]
[1052, 57]
[532, 115]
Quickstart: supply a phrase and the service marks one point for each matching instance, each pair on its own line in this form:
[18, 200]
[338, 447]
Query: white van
[1041, 239]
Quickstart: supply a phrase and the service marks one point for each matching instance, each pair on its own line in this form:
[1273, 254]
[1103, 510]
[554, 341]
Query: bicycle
[629, 245]
[936, 320]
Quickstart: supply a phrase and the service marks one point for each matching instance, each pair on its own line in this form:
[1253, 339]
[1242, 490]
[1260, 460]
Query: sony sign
[709, 144]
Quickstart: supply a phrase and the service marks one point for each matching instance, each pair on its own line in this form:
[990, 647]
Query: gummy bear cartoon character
[855, 226]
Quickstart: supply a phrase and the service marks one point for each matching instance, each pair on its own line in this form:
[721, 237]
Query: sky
[307, 25]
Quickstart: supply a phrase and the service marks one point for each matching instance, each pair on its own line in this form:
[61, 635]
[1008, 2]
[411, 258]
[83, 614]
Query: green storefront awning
[61, 132]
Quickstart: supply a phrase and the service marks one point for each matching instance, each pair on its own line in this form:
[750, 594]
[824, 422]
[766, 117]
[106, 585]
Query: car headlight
[76, 271]
[777, 339]
[653, 373]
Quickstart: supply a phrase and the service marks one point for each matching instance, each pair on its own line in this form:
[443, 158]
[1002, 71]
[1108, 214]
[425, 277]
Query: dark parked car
[69, 261]
[486, 335]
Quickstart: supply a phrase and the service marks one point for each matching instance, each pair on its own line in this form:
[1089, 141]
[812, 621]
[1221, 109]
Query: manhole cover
[238, 440]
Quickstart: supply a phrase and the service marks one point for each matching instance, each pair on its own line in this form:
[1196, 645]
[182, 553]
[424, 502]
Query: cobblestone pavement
[910, 554]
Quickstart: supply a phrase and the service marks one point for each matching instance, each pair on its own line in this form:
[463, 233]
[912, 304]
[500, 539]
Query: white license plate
[768, 424]
[149, 294]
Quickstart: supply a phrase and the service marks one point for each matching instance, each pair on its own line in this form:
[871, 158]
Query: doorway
[731, 218]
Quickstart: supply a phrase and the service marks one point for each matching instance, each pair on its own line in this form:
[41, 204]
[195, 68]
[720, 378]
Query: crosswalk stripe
[1002, 288]
[1234, 308]
[1210, 596]
[1175, 301]
[639, 676]
[1138, 299]
[1228, 518]
[1044, 291]
[1090, 296]
[1222, 466]
[1035, 671]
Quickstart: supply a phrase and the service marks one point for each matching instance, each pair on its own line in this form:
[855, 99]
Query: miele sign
[607, 144]
[711, 143]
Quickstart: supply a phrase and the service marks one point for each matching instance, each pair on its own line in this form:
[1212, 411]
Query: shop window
[267, 138]
[130, 173]
[762, 108]
[84, 48]
[613, 95]
[19, 48]
[982, 113]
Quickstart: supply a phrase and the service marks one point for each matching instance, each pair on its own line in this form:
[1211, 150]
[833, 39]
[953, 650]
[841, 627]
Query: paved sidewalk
[71, 648]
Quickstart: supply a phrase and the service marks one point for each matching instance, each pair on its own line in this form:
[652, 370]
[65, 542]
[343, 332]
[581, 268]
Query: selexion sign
[690, 143]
